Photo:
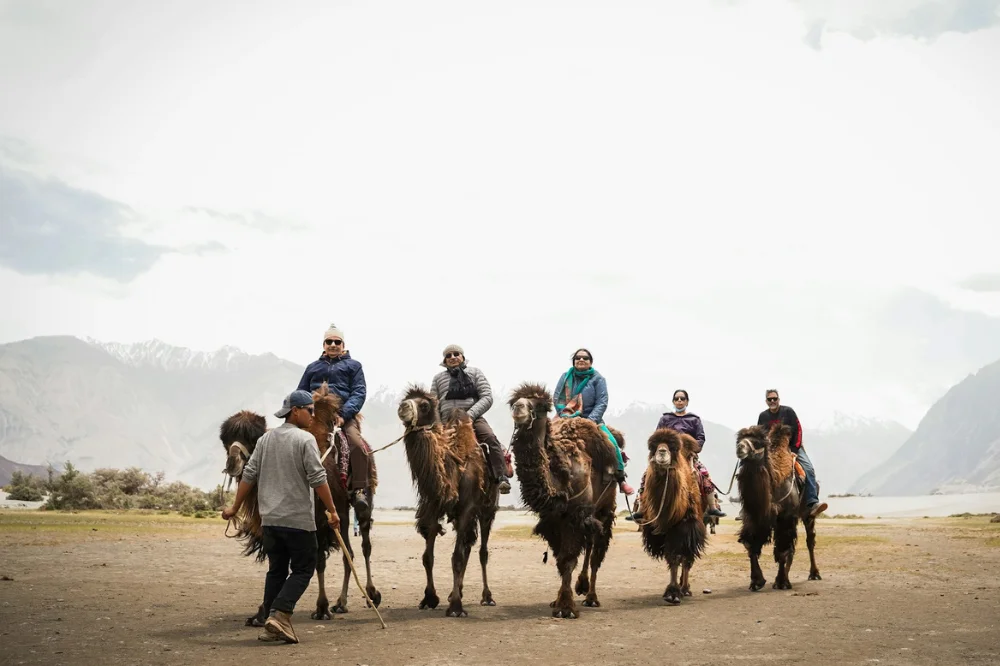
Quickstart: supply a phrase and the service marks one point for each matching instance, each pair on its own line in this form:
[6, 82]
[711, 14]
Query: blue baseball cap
[294, 399]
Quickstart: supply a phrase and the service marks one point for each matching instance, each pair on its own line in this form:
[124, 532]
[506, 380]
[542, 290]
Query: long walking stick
[350, 562]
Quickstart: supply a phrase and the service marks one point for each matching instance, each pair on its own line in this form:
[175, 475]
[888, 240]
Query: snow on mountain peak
[158, 354]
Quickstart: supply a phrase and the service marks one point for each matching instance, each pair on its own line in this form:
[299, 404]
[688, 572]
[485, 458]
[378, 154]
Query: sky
[716, 196]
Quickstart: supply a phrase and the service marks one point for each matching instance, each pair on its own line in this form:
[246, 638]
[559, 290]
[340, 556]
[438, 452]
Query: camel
[566, 472]
[676, 531]
[771, 495]
[448, 468]
[239, 434]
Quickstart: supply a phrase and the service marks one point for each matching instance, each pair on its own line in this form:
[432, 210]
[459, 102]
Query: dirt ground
[149, 589]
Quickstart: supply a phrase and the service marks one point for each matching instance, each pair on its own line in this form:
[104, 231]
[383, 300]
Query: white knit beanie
[334, 332]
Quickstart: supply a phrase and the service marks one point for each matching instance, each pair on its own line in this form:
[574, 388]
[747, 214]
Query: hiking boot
[504, 485]
[360, 504]
[268, 637]
[716, 512]
[625, 488]
[817, 508]
[280, 624]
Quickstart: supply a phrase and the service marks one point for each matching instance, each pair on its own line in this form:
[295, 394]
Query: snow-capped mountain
[158, 354]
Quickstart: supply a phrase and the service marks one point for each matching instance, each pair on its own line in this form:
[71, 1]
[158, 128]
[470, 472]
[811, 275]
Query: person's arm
[796, 427]
[356, 400]
[560, 384]
[241, 495]
[485, 397]
[600, 400]
[323, 492]
[304, 382]
[699, 433]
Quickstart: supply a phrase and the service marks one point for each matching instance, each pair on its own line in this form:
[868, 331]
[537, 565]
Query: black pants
[286, 546]
[485, 435]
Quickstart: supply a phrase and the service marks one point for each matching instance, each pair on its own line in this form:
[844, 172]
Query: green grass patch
[727, 555]
[87, 521]
[848, 540]
[516, 531]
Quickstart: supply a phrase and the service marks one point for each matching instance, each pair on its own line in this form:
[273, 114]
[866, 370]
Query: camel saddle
[799, 472]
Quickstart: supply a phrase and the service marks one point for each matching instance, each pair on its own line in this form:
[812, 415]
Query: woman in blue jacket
[583, 392]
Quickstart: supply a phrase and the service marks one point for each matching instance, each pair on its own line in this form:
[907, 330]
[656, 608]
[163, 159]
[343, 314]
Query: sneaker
[817, 508]
[504, 486]
[280, 624]
[268, 637]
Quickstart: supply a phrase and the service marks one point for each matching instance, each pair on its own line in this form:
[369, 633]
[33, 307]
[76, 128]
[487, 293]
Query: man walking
[778, 413]
[460, 386]
[285, 467]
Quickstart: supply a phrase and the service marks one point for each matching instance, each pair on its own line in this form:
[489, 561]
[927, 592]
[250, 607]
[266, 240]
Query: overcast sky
[715, 196]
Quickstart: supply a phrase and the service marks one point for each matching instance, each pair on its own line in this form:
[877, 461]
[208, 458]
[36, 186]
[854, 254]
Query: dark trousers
[287, 547]
[359, 457]
[485, 435]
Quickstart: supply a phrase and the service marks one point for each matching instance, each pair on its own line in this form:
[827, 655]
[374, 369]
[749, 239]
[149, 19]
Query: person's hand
[338, 421]
[228, 513]
[334, 520]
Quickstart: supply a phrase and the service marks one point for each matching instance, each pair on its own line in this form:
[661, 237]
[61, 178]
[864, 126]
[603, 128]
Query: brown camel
[239, 434]
[674, 530]
[566, 472]
[448, 468]
[771, 494]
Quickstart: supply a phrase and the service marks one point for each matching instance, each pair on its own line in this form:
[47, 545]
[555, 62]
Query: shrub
[25, 487]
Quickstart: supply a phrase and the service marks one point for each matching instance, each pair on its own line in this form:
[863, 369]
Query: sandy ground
[140, 589]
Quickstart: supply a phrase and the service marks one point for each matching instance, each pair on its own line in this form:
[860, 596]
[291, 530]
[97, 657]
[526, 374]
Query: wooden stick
[350, 562]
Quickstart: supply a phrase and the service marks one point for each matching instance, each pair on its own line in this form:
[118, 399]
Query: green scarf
[575, 382]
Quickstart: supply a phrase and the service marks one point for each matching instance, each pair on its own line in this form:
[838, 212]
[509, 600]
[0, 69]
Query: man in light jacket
[459, 386]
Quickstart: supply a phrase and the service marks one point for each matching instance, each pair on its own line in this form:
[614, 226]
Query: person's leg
[278, 559]
[707, 490]
[812, 490]
[301, 547]
[359, 470]
[625, 488]
[485, 435]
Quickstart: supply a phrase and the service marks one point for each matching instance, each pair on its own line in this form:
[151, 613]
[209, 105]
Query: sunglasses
[452, 355]
[311, 410]
[772, 400]
[334, 343]
[680, 399]
[581, 358]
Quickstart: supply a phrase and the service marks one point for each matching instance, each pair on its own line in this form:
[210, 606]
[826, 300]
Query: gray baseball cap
[294, 399]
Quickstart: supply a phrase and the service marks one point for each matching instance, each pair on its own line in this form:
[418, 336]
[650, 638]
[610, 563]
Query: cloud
[255, 219]
[922, 19]
[983, 282]
[49, 227]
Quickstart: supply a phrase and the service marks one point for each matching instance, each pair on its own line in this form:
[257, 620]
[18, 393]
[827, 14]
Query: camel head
[327, 406]
[239, 434]
[751, 443]
[668, 448]
[418, 408]
[528, 402]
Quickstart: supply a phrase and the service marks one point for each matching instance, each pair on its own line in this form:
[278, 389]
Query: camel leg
[810, 525]
[366, 550]
[465, 536]
[322, 611]
[258, 619]
[430, 599]
[583, 581]
[485, 525]
[672, 595]
[785, 534]
[686, 578]
[753, 539]
[569, 554]
[601, 543]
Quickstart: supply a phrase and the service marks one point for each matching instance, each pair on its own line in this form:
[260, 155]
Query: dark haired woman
[582, 392]
[685, 422]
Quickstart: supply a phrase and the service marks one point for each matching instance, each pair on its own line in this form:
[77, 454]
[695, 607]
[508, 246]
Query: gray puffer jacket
[475, 408]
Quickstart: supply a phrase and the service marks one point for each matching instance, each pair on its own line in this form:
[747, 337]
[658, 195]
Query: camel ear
[690, 444]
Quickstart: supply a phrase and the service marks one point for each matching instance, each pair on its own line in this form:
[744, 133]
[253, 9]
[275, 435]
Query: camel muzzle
[662, 457]
[521, 412]
[407, 413]
[745, 448]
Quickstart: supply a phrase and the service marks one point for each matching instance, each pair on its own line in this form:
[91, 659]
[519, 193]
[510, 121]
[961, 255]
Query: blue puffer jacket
[594, 394]
[344, 377]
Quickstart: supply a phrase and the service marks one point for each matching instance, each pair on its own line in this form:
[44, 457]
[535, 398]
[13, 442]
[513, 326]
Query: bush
[25, 488]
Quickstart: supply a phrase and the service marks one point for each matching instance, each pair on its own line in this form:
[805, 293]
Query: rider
[681, 420]
[780, 414]
[582, 391]
[460, 386]
[345, 377]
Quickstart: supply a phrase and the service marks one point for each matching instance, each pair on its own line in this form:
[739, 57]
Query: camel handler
[285, 467]
[346, 378]
[463, 387]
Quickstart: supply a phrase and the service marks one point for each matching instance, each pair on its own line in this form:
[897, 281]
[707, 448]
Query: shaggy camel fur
[566, 472]
[674, 530]
[239, 434]
[773, 502]
[448, 468]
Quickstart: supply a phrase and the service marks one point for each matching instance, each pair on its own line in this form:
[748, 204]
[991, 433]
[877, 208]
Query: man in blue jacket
[346, 378]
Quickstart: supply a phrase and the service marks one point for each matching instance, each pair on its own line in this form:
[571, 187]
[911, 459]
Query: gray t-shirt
[285, 466]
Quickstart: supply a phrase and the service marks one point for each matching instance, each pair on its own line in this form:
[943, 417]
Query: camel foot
[565, 613]
[321, 613]
[487, 599]
[672, 598]
[254, 621]
[756, 585]
[814, 575]
[340, 608]
[782, 585]
[375, 596]
[552, 604]
[591, 601]
[582, 586]
[686, 592]
[430, 600]
[455, 610]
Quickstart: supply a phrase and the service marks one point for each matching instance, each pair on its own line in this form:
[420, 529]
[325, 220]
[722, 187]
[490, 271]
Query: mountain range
[159, 407]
